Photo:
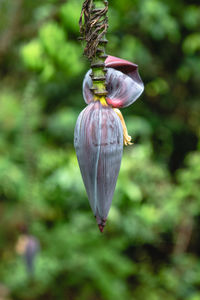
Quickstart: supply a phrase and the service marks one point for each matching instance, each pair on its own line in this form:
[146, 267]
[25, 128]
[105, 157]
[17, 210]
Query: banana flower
[100, 133]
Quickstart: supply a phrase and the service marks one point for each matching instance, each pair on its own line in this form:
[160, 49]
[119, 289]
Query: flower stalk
[93, 31]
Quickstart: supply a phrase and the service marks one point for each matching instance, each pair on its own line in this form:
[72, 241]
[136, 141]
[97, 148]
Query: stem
[98, 62]
[93, 27]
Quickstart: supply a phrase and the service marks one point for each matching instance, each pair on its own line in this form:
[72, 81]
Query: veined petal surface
[98, 143]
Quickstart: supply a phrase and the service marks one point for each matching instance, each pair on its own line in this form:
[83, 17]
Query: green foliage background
[150, 248]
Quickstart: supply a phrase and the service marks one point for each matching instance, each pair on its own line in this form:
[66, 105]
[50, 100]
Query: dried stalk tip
[93, 26]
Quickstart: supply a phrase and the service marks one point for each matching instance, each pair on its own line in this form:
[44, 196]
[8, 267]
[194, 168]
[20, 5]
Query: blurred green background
[150, 248]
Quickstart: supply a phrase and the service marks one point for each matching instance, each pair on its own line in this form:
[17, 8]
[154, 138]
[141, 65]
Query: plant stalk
[93, 30]
[98, 62]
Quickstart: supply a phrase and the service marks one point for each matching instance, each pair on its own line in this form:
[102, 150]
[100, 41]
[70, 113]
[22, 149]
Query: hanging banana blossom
[100, 131]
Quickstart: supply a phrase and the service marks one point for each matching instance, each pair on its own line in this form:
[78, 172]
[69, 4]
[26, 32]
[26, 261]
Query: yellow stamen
[127, 138]
[102, 99]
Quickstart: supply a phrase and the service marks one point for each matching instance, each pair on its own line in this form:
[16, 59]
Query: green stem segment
[98, 62]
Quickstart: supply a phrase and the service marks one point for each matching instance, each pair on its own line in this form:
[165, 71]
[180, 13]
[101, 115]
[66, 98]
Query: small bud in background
[28, 246]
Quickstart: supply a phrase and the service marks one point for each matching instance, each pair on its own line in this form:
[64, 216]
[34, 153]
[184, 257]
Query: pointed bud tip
[101, 227]
[101, 223]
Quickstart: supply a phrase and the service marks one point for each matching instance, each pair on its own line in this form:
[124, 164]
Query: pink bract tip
[114, 62]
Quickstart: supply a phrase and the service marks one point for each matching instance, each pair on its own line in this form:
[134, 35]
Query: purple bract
[123, 81]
